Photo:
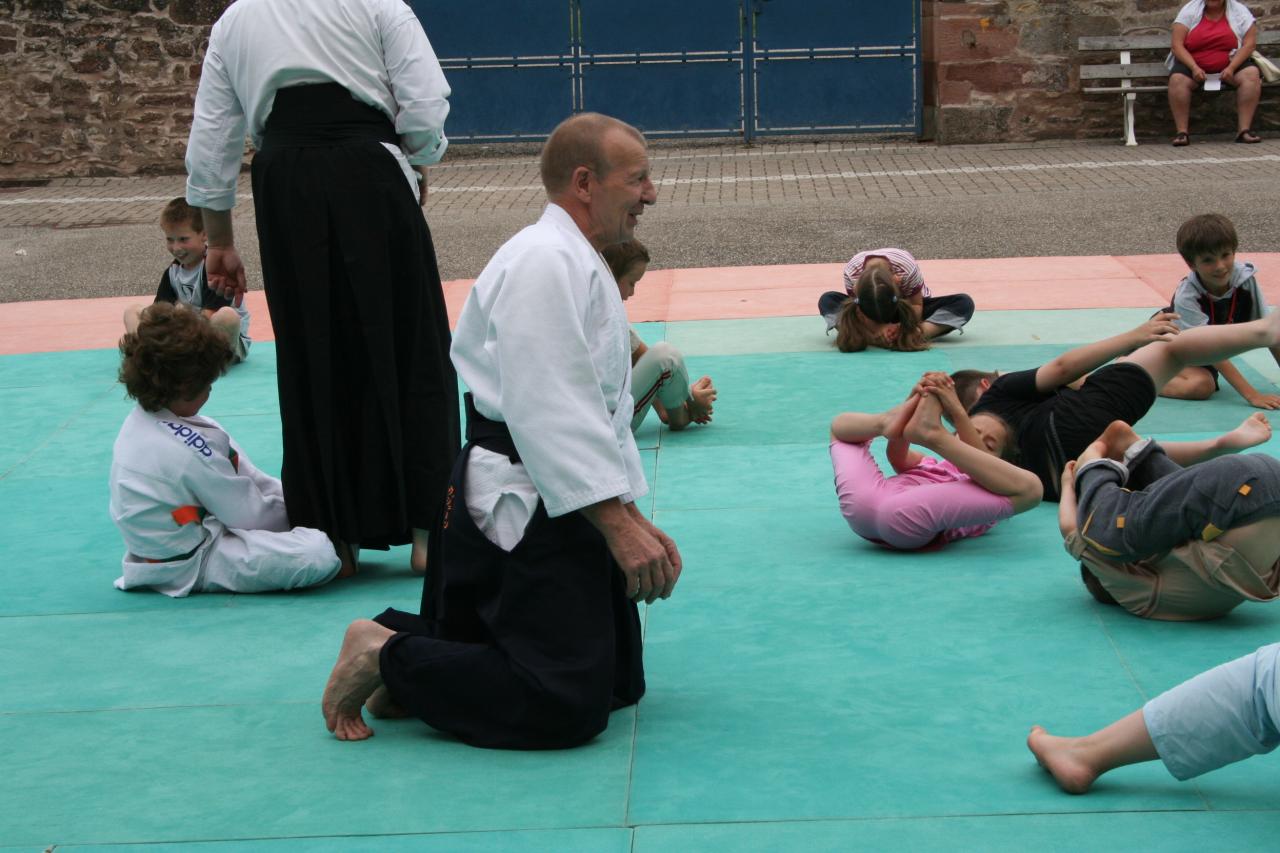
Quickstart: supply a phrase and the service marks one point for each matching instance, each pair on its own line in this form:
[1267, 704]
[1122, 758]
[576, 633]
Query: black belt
[323, 114]
[491, 435]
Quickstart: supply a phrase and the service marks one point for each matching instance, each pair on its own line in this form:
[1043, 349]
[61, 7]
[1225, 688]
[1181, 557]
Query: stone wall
[105, 87]
[98, 88]
[1008, 70]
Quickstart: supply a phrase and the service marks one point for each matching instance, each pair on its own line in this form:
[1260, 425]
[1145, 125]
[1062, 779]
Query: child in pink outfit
[928, 502]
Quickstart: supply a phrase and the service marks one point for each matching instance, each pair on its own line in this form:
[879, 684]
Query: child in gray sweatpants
[659, 379]
[1147, 503]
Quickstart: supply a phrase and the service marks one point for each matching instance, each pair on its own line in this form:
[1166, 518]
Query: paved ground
[721, 206]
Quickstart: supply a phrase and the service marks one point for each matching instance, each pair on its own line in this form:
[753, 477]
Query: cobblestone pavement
[724, 206]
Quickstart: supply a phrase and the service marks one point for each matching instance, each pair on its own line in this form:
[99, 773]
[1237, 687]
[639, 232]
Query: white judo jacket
[177, 486]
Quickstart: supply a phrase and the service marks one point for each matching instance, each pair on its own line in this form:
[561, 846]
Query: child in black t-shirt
[1039, 418]
[184, 280]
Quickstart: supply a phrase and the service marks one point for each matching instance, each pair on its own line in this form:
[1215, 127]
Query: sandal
[1182, 138]
[1248, 137]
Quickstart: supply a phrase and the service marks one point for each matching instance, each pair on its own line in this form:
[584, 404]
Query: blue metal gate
[678, 67]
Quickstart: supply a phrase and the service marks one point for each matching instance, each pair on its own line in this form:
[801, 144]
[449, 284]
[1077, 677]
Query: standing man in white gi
[529, 634]
[346, 105]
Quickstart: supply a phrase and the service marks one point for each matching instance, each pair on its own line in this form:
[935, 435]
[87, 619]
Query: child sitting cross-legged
[887, 304]
[1218, 290]
[195, 514]
[659, 379]
[186, 281]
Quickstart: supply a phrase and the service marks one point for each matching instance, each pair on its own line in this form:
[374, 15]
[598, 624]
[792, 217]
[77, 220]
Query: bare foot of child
[899, 415]
[1253, 430]
[1064, 758]
[354, 679]
[1095, 450]
[382, 706]
[1118, 436]
[925, 426]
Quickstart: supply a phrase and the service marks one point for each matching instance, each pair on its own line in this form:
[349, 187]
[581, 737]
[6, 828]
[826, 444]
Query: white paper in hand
[1212, 82]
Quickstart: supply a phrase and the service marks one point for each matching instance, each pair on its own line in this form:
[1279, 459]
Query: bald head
[579, 141]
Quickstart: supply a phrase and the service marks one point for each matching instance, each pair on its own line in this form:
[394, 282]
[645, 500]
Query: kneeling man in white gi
[529, 634]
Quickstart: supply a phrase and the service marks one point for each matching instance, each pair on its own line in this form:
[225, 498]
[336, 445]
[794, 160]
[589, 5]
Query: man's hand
[1161, 327]
[1197, 73]
[644, 558]
[225, 271]
[422, 185]
[1228, 76]
[1263, 401]
[668, 545]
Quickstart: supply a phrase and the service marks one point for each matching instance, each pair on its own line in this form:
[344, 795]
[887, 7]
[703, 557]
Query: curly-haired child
[195, 514]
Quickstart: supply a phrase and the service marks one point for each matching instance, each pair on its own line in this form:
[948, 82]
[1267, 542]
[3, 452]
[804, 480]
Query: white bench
[1131, 75]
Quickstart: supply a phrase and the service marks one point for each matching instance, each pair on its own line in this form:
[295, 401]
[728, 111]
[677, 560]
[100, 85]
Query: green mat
[807, 689]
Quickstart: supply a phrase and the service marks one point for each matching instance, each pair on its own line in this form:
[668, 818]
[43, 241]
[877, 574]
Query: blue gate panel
[484, 28]
[660, 26]
[668, 98]
[835, 23]
[836, 94]
[678, 67]
[490, 103]
[509, 62]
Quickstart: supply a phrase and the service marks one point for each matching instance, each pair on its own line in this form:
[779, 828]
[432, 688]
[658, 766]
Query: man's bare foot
[1095, 450]
[899, 415]
[382, 706]
[418, 556]
[925, 425]
[1063, 758]
[1253, 430]
[354, 679]
[348, 558]
[1117, 437]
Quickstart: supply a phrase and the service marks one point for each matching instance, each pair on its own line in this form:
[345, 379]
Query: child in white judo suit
[195, 514]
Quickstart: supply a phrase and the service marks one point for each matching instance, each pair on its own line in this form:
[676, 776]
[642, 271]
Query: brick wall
[98, 88]
[998, 71]
[106, 87]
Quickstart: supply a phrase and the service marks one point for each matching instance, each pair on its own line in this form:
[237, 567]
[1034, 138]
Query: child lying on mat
[1174, 543]
[927, 502]
[1038, 419]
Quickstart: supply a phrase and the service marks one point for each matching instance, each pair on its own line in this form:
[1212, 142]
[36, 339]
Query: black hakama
[527, 649]
[368, 396]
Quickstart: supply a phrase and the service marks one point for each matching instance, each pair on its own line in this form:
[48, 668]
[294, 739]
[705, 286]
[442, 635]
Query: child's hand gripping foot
[702, 394]
[925, 426]
[895, 420]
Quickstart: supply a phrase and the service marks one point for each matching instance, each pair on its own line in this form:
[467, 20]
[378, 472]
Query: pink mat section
[724, 293]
